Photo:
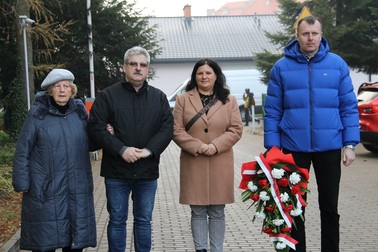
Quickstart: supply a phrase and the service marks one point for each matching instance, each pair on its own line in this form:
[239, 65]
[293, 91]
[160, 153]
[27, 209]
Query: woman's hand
[207, 149]
[110, 128]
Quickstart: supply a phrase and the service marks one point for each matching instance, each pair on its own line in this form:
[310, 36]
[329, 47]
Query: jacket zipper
[310, 96]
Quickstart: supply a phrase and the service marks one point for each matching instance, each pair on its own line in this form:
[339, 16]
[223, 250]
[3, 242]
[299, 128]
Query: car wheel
[371, 148]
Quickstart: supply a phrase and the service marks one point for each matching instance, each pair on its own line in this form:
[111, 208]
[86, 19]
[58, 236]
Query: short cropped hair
[136, 50]
[310, 20]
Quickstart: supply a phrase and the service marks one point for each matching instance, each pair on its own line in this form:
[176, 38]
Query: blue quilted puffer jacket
[310, 104]
[52, 167]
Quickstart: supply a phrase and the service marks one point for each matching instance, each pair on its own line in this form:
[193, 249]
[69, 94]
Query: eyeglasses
[135, 64]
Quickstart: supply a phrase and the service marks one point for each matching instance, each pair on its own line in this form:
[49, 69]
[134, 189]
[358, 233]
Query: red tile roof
[248, 8]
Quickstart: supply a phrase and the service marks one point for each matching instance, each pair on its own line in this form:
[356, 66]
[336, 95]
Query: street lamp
[25, 22]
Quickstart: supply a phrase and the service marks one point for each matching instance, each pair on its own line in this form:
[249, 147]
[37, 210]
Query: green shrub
[4, 138]
[6, 187]
[7, 148]
[1, 119]
[6, 157]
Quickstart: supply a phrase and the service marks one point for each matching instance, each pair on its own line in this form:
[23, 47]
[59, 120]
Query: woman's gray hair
[136, 50]
[73, 89]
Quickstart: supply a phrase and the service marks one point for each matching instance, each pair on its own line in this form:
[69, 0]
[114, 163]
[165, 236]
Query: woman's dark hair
[221, 89]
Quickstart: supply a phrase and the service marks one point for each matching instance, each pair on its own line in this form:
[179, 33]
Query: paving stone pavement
[171, 221]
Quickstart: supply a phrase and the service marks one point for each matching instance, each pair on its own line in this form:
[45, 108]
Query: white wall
[359, 78]
[168, 76]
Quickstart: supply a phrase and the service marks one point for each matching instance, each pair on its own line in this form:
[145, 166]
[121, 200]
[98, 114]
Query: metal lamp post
[90, 47]
[25, 22]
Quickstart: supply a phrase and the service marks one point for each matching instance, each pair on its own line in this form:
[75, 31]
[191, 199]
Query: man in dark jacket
[142, 125]
[311, 112]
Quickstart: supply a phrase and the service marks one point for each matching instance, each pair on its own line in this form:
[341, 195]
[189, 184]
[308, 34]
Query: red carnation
[287, 208]
[286, 229]
[263, 183]
[283, 182]
[255, 197]
[267, 230]
[270, 208]
[296, 189]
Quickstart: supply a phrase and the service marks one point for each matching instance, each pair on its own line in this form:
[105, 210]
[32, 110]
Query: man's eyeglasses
[135, 64]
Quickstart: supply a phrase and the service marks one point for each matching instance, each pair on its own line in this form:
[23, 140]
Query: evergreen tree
[350, 26]
[356, 36]
[60, 39]
[116, 26]
[290, 10]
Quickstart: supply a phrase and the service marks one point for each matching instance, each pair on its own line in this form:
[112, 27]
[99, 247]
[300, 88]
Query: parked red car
[368, 109]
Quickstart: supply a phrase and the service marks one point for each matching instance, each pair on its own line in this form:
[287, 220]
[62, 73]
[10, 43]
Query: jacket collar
[292, 51]
[42, 107]
[195, 100]
[130, 88]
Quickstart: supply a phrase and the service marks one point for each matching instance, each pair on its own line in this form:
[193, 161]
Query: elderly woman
[52, 168]
[207, 160]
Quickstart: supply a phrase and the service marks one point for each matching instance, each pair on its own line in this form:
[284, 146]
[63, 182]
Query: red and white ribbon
[283, 238]
[273, 188]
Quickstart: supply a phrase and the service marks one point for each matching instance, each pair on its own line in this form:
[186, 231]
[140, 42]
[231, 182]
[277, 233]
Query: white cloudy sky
[174, 8]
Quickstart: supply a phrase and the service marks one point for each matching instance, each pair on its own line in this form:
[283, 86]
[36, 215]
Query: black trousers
[246, 116]
[327, 168]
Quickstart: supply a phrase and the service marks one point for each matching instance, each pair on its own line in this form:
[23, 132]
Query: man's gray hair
[136, 50]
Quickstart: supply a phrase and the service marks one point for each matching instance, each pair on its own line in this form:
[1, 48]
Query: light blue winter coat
[52, 164]
[310, 105]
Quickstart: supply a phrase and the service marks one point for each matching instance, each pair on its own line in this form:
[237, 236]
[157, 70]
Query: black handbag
[200, 113]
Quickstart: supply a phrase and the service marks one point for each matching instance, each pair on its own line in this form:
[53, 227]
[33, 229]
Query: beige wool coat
[206, 180]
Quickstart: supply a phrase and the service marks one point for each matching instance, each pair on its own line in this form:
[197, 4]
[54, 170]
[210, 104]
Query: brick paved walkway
[171, 221]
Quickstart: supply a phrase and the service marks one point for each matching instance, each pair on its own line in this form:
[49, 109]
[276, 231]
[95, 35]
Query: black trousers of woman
[327, 168]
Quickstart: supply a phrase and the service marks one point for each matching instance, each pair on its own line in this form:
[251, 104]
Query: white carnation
[296, 212]
[277, 173]
[284, 197]
[264, 196]
[294, 178]
[278, 222]
[260, 215]
[280, 245]
[252, 187]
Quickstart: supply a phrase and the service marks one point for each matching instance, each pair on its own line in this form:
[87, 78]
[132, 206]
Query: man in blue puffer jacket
[311, 112]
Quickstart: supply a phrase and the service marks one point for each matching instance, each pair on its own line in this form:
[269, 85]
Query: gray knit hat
[56, 75]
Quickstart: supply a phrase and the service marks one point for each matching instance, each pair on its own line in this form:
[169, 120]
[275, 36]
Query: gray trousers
[208, 221]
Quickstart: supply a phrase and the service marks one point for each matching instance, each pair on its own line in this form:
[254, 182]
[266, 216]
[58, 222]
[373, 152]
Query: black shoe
[202, 250]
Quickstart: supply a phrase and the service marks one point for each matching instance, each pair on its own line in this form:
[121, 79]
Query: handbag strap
[200, 113]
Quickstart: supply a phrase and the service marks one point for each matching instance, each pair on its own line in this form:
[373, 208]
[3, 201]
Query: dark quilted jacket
[52, 164]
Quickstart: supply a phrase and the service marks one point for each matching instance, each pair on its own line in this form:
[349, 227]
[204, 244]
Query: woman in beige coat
[206, 160]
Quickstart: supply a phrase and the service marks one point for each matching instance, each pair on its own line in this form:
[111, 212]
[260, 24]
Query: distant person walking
[141, 128]
[311, 112]
[249, 101]
[206, 126]
[53, 170]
